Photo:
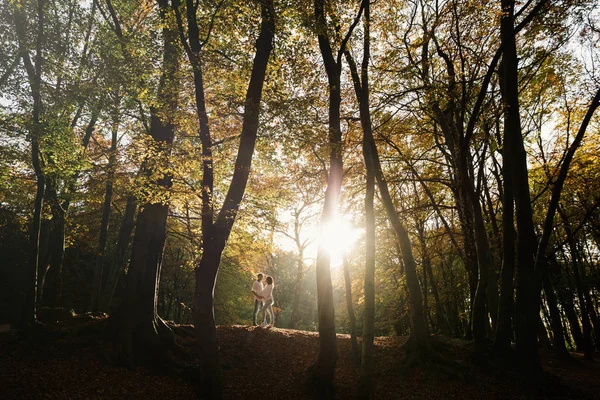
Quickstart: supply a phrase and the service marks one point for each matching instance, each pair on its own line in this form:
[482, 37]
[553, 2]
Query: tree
[216, 228]
[140, 333]
[36, 129]
[102, 237]
[361, 88]
[322, 370]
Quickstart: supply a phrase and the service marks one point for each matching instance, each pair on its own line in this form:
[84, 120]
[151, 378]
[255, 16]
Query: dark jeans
[257, 309]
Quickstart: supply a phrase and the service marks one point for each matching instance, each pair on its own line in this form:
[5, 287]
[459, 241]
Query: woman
[268, 301]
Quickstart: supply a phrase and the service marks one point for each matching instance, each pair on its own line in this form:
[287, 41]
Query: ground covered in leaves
[67, 362]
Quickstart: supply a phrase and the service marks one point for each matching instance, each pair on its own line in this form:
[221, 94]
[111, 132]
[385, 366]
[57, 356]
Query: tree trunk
[36, 130]
[350, 307]
[466, 222]
[440, 317]
[361, 89]
[119, 260]
[555, 320]
[588, 348]
[51, 249]
[297, 292]
[138, 336]
[44, 256]
[367, 365]
[50, 291]
[141, 334]
[419, 333]
[103, 235]
[215, 233]
[322, 370]
[300, 273]
[467, 199]
[423, 282]
[575, 328]
[29, 312]
[593, 315]
[54, 280]
[506, 305]
[528, 280]
[323, 367]
[542, 334]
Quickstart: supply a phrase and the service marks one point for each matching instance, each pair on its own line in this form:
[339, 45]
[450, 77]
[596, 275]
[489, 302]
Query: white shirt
[257, 288]
[267, 293]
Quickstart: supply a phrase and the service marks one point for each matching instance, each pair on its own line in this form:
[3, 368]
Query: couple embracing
[263, 300]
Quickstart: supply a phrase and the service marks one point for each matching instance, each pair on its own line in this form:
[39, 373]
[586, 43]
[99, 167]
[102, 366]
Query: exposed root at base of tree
[433, 353]
[151, 343]
[317, 387]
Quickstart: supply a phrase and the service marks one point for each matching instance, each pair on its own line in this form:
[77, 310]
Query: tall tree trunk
[425, 289]
[52, 286]
[367, 365]
[119, 261]
[141, 334]
[575, 328]
[506, 305]
[527, 304]
[29, 313]
[593, 315]
[44, 256]
[361, 89]
[542, 334]
[555, 320]
[54, 281]
[294, 318]
[215, 233]
[418, 332]
[36, 130]
[466, 222]
[365, 388]
[103, 235]
[300, 272]
[350, 307]
[486, 291]
[322, 369]
[440, 316]
[451, 121]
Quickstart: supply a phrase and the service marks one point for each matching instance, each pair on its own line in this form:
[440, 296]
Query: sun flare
[338, 237]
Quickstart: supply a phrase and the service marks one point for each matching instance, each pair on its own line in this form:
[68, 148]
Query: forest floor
[260, 363]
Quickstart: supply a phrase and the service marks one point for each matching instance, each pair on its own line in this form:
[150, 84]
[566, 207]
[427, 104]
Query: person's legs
[257, 310]
[268, 308]
[272, 314]
[263, 315]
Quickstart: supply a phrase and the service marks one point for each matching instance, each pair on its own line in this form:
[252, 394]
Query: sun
[337, 238]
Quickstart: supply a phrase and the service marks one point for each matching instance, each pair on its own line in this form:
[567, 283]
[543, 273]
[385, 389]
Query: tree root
[431, 353]
[316, 387]
[151, 343]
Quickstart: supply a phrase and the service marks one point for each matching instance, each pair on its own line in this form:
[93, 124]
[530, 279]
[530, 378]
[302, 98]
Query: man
[257, 289]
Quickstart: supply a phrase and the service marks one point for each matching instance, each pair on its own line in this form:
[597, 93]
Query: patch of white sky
[337, 237]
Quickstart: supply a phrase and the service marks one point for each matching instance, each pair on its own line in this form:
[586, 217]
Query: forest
[420, 179]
